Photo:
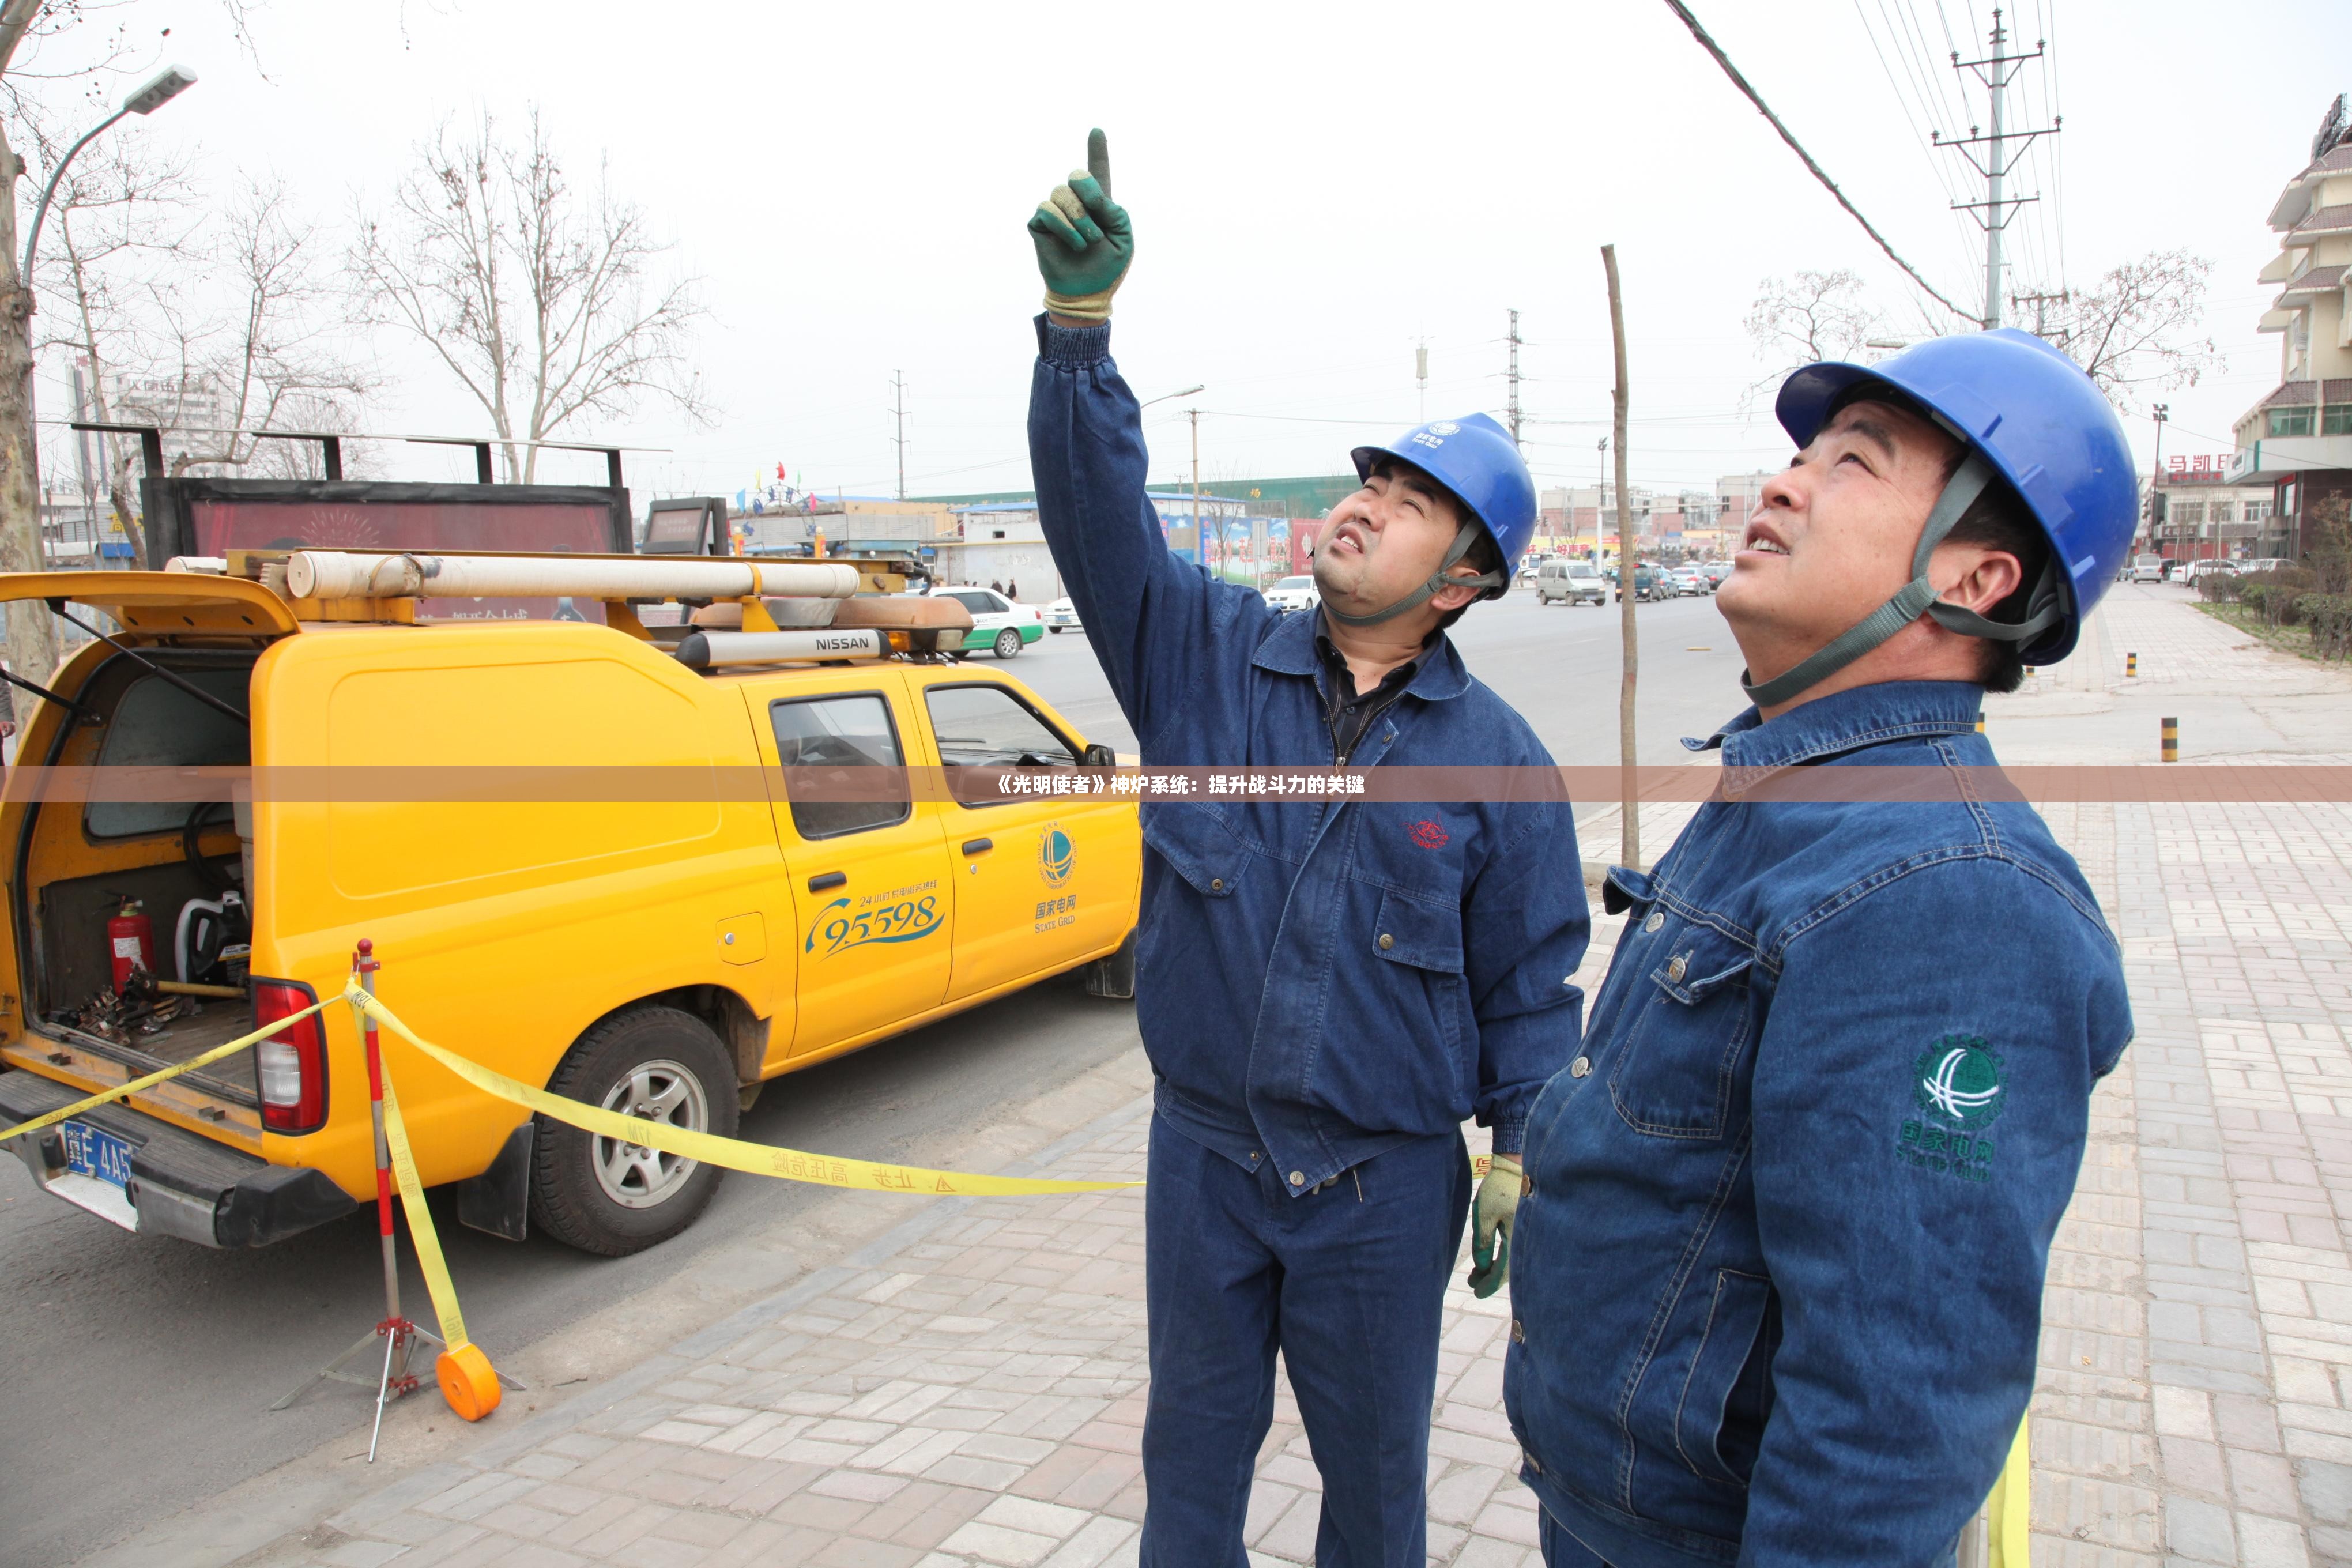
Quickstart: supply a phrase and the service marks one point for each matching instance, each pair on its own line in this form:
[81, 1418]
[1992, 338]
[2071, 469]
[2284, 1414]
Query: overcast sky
[1314, 188]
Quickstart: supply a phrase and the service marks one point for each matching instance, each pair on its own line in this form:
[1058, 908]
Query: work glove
[1490, 1224]
[1084, 241]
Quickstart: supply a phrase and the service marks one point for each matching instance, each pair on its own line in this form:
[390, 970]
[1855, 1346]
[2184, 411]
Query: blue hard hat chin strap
[2045, 605]
[1463, 538]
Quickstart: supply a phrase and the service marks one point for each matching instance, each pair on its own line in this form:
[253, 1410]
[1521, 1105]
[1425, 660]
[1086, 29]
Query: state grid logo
[1057, 855]
[1958, 1080]
[1444, 427]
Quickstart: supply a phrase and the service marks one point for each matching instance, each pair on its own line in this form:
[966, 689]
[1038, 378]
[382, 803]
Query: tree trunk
[1629, 572]
[32, 640]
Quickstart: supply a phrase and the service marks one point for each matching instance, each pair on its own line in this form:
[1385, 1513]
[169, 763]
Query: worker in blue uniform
[1777, 1292]
[1327, 989]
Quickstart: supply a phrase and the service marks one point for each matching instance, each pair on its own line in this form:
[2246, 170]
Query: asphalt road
[1560, 666]
[140, 1371]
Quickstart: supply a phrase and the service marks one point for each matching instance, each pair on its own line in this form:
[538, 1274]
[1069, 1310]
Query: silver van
[1571, 581]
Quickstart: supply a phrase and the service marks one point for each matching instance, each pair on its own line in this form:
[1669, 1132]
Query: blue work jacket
[1318, 979]
[1776, 1283]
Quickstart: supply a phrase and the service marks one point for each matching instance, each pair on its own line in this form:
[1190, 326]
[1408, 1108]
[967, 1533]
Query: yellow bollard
[2131, 664]
[2172, 739]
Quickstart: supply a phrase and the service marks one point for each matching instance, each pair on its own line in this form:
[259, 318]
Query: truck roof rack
[747, 611]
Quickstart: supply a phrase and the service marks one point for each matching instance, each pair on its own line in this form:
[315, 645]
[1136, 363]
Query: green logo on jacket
[1957, 1089]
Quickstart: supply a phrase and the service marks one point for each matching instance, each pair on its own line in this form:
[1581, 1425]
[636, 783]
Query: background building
[2205, 516]
[2297, 441]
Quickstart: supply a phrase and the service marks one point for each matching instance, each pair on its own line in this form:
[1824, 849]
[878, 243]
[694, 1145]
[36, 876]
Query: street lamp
[1166, 396]
[1199, 535]
[2157, 509]
[174, 81]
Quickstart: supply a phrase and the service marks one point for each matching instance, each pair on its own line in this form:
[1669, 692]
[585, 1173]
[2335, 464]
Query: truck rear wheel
[604, 1196]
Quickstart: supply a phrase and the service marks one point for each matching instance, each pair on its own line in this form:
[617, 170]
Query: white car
[1294, 594]
[998, 625]
[1691, 580]
[1061, 614]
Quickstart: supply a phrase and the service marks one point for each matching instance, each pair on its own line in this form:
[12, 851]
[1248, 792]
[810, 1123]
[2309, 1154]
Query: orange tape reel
[467, 1381]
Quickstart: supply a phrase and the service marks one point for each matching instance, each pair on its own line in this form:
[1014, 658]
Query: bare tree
[1811, 317]
[26, 30]
[2137, 329]
[267, 352]
[120, 222]
[539, 300]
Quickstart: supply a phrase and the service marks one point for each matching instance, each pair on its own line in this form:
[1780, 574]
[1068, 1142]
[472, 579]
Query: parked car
[2147, 569]
[1573, 583]
[1647, 585]
[1294, 594]
[1061, 614]
[2197, 570]
[998, 625]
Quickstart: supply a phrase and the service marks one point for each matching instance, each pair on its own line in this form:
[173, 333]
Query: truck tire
[1008, 643]
[604, 1196]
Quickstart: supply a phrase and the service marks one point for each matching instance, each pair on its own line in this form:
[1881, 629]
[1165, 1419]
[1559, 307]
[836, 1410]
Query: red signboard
[219, 525]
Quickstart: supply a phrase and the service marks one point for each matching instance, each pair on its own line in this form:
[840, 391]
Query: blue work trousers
[1561, 1550]
[1348, 1282]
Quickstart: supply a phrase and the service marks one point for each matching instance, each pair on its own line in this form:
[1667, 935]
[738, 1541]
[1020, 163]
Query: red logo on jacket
[1428, 836]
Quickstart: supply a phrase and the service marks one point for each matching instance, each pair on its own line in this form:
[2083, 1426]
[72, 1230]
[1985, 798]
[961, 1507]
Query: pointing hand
[1084, 241]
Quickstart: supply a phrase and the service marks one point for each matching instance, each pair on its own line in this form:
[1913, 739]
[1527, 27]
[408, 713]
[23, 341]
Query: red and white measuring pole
[398, 1332]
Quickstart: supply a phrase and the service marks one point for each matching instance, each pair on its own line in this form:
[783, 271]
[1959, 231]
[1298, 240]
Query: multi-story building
[2205, 516]
[2297, 441]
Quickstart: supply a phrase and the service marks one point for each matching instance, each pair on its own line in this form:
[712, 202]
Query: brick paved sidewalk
[969, 1391]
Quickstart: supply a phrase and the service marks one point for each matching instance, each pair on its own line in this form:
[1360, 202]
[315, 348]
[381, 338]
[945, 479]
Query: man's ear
[1981, 578]
[1454, 596]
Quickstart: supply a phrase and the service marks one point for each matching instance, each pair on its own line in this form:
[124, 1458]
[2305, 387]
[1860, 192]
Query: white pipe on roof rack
[352, 574]
[710, 649]
[209, 566]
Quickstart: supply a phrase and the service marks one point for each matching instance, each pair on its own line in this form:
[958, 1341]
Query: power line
[1829, 184]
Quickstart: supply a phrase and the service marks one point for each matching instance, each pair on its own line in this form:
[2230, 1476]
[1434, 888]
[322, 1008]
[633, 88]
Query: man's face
[1832, 536]
[1384, 540]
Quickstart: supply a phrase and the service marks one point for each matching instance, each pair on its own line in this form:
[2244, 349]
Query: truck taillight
[290, 1066]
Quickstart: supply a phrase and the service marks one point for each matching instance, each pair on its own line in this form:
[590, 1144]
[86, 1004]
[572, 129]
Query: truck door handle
[976, 846]
[818, 884]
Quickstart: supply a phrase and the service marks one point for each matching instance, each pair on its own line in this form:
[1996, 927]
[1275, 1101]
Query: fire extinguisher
[131, 937]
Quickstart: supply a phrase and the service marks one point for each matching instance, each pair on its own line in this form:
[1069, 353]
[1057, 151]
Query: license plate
[95, 1152]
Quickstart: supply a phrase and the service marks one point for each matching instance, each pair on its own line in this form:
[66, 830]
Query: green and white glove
[1084, 241]
[1490, 1224]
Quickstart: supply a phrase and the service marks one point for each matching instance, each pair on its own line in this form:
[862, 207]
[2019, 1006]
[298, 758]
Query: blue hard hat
[2038, 419]
[1474, 458]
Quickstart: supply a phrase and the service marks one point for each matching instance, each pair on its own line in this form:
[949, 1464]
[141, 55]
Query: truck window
[156, 724]
[834, 740]
[988, 727]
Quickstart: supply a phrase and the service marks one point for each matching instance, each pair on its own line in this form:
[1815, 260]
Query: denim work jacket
[1319, 979]
[1776, 1283]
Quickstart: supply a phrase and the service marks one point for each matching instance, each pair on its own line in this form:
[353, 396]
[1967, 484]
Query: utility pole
[1515, 378]
[2156, 504]
[1200, 533]
[2041, 301]
[2002, 149]
[898, 407]
[1627, 573]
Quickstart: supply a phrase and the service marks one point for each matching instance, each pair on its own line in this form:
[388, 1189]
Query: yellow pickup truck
[661, 954]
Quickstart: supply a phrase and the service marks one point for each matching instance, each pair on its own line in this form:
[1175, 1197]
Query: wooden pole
[1628, 572]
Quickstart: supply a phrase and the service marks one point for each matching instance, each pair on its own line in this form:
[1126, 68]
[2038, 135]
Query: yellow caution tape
[121, 1089]
[2009, 1510]
[731, 1153]
[430, 1261]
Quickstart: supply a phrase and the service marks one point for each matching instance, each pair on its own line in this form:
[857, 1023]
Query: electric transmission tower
[2002, 148]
